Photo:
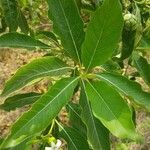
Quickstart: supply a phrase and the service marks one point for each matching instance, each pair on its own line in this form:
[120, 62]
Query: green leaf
[41, 67]
[3, 25]
[109, 107]
[22, 22]
[143, 67]
[75, 140]
[67, 25]
[127, 87]
[10, 11]
[19, 100]
[102, 35]
[111, 66]
[16, 40]
[49, 35]
[74, 111]
[145, 43]
[23, 146]
[128, 43]
[98, 135]
[41, 113]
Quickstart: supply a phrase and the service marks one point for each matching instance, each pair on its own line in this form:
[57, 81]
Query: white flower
[54, 146]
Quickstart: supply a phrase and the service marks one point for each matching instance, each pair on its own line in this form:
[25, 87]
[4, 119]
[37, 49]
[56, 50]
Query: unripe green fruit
[130, 22]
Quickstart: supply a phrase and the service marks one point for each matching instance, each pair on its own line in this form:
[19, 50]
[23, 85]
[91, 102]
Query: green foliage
[17, 40]
[102, 35]
[104, 108]
[129, 88]
[143, 67]
[75, 139]
[42, 67]
[19, 101]
[98, 137]
[67, 25]
[44, 110]
[95, 51]
[13, 16]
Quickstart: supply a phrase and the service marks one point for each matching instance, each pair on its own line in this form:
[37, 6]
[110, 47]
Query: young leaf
[127, 87]
[41, 67]
[67, 25]
[111, 109]
[75, 140]
[17, 40]
[41, 113]
[143, 67]
[19, 100]
[10, 11]
[102, 34]
[98, 135]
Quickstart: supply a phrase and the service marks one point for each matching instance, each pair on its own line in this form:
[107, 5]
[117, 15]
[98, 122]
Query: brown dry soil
[11, 60]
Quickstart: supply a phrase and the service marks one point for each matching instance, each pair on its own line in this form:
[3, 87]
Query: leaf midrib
[29, 97]
[102, 30]
[111, 83]
[45, 106]
[36, 75]
[70, 31]
[107, 106]
[67, 135]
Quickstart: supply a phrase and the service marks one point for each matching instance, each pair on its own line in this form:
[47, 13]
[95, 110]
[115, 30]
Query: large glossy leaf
[111, 109]
[127, 87]
[98, 135]
[10, 11]
[67, 25]
[41, 67]
[75, 140]
[143, 67]
[42, 112]
[102, 34]
[19, 100]
[16, 40]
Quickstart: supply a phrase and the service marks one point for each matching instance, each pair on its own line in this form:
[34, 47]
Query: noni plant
[96, 52]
